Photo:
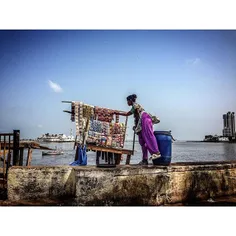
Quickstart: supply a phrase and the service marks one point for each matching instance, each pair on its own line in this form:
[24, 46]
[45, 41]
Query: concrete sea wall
[123, 185]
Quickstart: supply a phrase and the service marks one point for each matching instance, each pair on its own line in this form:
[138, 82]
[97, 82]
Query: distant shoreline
[210, 141]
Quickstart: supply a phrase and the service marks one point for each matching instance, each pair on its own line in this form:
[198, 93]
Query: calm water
[181, 152]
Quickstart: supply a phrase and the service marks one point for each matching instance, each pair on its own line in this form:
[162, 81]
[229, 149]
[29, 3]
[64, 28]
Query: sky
[187, 77]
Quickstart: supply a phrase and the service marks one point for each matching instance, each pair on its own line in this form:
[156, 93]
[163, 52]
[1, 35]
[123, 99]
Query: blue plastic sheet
[82, 157]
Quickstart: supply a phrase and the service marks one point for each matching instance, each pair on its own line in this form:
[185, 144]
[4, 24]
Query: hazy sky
[187, 78]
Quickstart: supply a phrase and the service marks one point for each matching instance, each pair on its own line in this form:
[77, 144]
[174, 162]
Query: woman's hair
[132, 97]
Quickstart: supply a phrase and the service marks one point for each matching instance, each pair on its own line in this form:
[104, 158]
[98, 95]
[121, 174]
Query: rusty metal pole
[16, 146]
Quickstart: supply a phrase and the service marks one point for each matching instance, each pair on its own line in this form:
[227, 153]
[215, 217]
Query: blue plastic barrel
[164, 141]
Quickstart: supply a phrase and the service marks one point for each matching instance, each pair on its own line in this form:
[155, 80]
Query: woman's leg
[143, 145]
[148, 135]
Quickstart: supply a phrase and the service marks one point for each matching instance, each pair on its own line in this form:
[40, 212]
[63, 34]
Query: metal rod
[133, 142]
[68, 112]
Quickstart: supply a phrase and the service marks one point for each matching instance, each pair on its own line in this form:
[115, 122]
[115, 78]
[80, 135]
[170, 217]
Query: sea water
[181, 152]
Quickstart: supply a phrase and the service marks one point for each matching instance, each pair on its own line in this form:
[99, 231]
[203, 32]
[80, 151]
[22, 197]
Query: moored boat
[53, 152]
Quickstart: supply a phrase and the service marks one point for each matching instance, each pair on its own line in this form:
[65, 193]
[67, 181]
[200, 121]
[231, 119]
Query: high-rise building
[233, 123]
[229, 125]
[225, 121]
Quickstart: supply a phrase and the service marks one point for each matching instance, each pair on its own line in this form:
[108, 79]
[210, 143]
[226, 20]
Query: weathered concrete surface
[32, 183]
[123, 185]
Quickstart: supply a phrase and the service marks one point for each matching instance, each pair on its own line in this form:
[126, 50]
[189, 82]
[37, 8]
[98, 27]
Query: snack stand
[101, 130]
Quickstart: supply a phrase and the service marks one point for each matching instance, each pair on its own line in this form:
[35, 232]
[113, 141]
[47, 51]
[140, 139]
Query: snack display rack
[101, 131]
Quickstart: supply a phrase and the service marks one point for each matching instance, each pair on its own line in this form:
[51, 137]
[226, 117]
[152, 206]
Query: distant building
[211, 138]
[229, 125]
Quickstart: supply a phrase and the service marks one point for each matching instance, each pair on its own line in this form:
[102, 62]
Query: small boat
[53, 152]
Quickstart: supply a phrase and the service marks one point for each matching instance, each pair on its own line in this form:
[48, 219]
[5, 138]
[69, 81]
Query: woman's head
[131, 99]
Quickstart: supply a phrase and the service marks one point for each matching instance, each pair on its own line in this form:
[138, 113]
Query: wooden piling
[128, 159]
[21, 156]
[29, 157]
[8, 160]
[4, 161]
[9, 151]
[98, 153]
[117, 158]
[16, 145]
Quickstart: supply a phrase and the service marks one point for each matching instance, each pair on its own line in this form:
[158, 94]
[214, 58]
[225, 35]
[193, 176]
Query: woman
[144, 128]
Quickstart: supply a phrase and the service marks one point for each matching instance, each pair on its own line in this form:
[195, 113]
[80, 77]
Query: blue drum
[164, 141]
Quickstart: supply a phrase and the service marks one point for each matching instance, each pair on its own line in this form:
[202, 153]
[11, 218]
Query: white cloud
[193, 61]
[55, 87]
[39, 126]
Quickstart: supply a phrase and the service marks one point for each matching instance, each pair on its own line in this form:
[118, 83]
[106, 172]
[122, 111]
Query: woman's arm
[123, 113]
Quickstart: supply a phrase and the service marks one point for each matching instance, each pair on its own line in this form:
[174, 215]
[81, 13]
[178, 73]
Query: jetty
[189, 183]
[12, 152]
[125, 185]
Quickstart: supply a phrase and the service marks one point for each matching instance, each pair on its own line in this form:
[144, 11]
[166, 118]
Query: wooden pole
[75, 141]
[76, 152]
[21, 156]
[97, 157]
[8, 160]
[85, 132]
[117, 158]
[16, 145]
[29, 157]
[4, 160]
[9, 149]
[129, 156]
[128, 159]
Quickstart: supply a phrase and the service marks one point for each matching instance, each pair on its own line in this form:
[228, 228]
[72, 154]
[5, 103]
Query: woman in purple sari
[144, 129]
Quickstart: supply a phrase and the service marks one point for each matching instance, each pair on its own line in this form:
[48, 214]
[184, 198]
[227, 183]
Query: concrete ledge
[32, 183]
[123, 185]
